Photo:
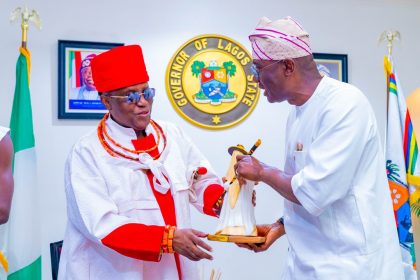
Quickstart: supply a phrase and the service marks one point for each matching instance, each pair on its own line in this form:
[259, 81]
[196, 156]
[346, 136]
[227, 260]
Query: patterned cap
[280, 39]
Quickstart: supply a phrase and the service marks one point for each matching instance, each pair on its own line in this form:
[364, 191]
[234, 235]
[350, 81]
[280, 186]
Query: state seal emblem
[210, 83]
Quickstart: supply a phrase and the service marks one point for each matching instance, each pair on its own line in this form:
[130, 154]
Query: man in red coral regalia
[129, 184]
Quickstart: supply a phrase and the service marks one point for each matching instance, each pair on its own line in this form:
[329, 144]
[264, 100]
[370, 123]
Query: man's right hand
[248, 167]
[187, 242]
[271, 232]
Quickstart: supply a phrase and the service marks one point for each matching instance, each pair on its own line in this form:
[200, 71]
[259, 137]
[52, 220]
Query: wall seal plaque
[209, 82]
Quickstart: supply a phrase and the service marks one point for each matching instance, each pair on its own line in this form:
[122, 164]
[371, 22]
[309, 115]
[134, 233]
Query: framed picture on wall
[332, 65]
[77, 95]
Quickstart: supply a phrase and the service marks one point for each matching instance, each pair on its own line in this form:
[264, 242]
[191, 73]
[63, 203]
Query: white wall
[351, 27]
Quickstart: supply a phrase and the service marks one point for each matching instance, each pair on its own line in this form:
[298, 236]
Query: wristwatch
[281, 220]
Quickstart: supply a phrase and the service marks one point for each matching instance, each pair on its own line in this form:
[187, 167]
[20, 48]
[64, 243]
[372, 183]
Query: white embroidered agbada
[108, 196]
[345, 227]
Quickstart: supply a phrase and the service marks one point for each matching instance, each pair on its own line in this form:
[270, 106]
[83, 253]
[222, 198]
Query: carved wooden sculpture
[237, 217]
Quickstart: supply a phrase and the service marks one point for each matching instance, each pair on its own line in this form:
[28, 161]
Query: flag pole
[388, 36]
[23, 245]
[26, 17]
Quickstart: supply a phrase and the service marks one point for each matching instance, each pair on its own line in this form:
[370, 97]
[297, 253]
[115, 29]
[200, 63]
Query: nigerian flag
[24, 250]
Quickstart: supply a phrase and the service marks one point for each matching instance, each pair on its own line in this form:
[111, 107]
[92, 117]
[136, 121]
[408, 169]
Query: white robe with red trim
[110, 203]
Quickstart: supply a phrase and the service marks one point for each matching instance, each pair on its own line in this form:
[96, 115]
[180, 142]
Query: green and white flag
[24, 251]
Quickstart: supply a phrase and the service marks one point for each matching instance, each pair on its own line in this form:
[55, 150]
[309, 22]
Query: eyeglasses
[134, 97]
[257, 72]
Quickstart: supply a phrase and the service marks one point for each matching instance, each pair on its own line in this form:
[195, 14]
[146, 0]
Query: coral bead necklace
[106, 139]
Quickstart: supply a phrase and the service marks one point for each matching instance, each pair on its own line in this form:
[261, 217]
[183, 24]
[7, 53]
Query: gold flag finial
[389, 36]
[26, 17]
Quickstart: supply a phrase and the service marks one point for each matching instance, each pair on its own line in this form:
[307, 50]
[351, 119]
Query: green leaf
[230, 68]
[196, 67]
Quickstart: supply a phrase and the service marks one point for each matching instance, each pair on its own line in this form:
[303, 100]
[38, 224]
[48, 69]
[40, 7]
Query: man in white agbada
[337, 210]
[129, 184]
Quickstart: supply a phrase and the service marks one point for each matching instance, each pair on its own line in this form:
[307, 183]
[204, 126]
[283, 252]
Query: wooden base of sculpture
[236, 238]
